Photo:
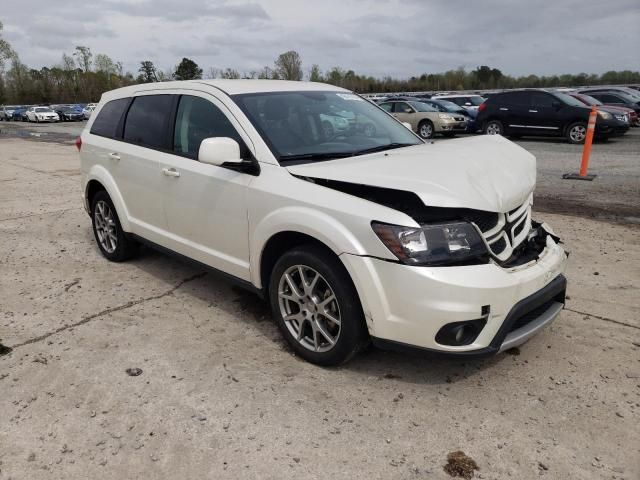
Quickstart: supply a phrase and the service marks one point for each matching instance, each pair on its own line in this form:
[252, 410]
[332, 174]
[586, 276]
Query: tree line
[82, 76]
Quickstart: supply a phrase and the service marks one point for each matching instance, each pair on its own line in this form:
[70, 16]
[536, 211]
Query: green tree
[187, 69]
[289, 66]
[315, 74]
[147, 72]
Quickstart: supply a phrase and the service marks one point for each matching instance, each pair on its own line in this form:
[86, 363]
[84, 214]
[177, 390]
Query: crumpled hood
[485, 172]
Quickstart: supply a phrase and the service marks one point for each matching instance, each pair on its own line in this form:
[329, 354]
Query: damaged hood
[486, 172]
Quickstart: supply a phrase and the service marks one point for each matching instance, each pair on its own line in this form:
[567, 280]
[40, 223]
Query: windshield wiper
[381, 148]
[315, 156]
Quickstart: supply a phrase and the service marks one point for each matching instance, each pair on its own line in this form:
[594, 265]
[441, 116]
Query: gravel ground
[220, 396]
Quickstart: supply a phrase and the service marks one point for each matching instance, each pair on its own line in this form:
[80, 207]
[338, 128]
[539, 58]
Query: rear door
[206, 205]
[134, 161]
[515, 111]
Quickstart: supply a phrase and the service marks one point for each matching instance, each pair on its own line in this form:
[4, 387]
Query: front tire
[576, 133]
[316, 306]
[425, 129]
[494, 127]
[113, 242]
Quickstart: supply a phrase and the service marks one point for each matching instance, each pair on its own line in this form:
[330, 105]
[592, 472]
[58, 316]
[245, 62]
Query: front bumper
[451, 126]
[406, 306]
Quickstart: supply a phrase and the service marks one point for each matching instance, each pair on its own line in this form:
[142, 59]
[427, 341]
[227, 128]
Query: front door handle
[114, 156]
[533, 111]
[171, 172]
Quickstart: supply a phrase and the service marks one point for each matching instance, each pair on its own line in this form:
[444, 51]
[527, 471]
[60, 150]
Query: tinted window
[106, 123]
[608, 98]
[147, 121]
[539, 99]
[199, 119]
[513, 98]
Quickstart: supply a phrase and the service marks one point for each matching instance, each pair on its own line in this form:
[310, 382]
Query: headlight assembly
[445, 116]
[433, 244]
[604, 115]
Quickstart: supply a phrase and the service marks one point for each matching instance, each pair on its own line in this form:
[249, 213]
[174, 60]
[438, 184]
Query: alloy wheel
[426, 130]
[106, 227]
[309, 308]
[494, 129]
[578, 133]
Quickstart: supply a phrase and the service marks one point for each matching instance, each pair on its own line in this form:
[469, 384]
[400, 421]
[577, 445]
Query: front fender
[316, 224]
[102, 175]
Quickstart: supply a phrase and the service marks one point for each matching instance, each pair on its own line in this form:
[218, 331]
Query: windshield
[422, 107]
[42, 109]
[451, 107]
[313, 126]
[569, 100]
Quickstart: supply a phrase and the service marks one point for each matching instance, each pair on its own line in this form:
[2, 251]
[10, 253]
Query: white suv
[354, 234]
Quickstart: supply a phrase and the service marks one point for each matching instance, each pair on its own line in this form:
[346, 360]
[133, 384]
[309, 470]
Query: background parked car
[42, 114]
[87, 111]
[6, 112]
[450, 107]
[19, 114]
[468, 102]
[616, 110]
[536, 112]
[616, 98]
[69, 113]
[425, 120]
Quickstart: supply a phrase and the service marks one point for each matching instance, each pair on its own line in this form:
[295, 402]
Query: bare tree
[83, 57]
[6, 52]
[289, 66]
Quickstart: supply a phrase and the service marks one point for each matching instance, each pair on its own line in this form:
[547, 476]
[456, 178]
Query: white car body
[42, 114]
[88, 110]
[225, 219]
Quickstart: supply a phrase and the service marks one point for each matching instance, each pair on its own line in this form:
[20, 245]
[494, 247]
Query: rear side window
[147, 121]
[106, 123]
[199, 119]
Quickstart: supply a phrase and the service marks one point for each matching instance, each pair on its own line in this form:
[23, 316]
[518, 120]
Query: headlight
[445, 116]
[434, 244]
[604, 115]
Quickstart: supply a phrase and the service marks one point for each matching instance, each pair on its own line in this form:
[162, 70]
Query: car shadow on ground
[253, 311]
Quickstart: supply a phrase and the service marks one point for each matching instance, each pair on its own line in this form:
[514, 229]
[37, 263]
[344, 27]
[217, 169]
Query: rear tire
[576, 133]
[113, 242]
[316, 306]
[493, 127]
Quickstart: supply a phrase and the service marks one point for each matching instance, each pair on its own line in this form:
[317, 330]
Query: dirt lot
[220, 395]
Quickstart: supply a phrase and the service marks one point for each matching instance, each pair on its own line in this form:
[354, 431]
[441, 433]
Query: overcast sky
[399, 38]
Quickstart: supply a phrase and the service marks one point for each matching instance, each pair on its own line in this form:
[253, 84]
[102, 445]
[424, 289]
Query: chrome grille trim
[502, 239]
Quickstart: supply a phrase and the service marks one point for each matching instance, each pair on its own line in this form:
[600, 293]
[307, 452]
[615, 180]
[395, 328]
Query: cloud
[399, 38]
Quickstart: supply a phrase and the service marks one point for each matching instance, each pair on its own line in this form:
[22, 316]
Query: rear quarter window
[108, 119]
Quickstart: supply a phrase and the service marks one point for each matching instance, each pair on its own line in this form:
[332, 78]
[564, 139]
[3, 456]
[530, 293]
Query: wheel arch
[100, 179]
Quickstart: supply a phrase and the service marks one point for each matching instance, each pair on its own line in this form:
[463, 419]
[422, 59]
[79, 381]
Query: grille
[531, 315]
[484, 220]
[499, 246]
[503, 232]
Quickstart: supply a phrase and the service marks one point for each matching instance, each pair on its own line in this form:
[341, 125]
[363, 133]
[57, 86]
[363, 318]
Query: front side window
[199, 119]
[422, 107]
[402, 107]
[568, 99]
[147, 120]
[542, 100]
[108, 119]
[294, 125]
[386, 106]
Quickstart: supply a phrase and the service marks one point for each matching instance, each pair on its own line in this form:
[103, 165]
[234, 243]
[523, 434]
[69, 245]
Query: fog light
[460, 333]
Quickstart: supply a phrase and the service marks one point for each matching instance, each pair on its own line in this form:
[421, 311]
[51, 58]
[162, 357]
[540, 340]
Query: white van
[354, 234]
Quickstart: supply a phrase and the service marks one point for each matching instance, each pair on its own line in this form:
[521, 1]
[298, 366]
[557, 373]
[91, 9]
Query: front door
[206, 205]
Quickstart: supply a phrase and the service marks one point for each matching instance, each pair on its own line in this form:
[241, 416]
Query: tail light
[481, 107]
[78, 143]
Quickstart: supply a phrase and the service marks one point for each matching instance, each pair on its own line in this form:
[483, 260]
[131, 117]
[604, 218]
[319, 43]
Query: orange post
[586, 151]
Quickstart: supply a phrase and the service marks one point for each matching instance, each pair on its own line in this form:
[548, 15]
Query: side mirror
[408, 110]
[408, 125]
[468, 104]
[219, 150]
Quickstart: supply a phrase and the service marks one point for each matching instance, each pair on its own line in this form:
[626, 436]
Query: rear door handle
[504, 109]
[533, 111]
[171, 172]
[114, 156]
